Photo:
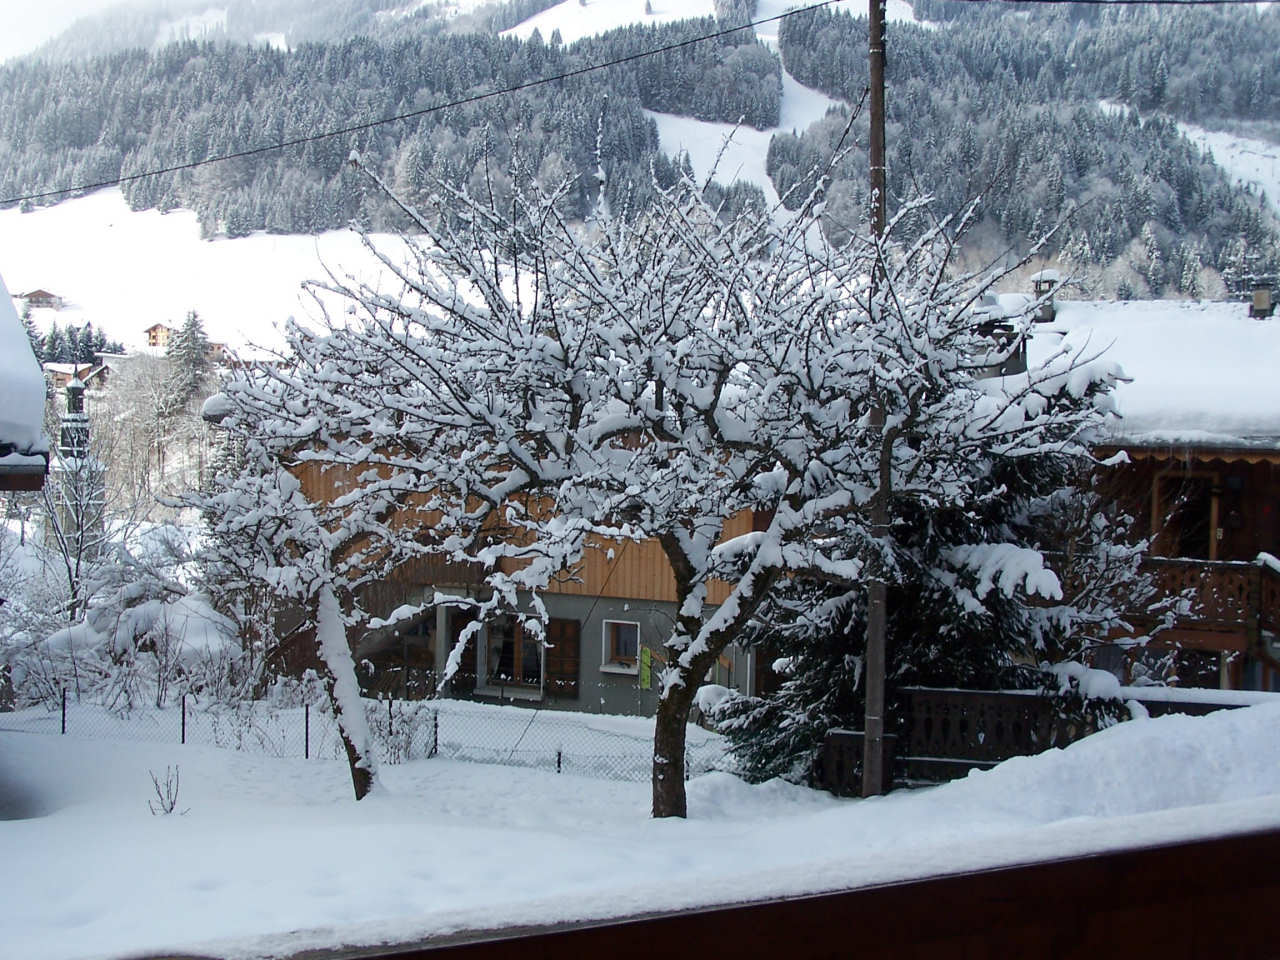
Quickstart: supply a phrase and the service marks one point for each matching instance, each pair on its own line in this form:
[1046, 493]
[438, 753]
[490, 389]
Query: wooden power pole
[877, 590]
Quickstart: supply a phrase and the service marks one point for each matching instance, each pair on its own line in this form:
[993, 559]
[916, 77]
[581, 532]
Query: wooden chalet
[37, 299]
[158, 335]
[608, 619]
[1199, 428]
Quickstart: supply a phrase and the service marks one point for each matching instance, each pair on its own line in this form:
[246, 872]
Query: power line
[542, 81]
[436, 108]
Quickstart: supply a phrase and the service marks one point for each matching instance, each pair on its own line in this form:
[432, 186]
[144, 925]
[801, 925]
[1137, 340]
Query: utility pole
[877, 591]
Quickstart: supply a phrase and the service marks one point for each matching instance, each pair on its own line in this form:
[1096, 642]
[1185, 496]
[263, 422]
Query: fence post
[306, 731]
[184, 717]
[557, 761]
[390, 732]
[64, 711]
[435, 732]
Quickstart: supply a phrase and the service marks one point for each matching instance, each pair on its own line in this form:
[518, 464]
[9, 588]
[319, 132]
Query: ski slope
[1255, 163]
[734, 153]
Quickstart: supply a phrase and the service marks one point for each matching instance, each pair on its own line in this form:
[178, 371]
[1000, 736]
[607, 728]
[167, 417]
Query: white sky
[28, 23]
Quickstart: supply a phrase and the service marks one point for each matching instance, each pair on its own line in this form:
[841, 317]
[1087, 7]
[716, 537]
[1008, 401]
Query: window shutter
[564, 643]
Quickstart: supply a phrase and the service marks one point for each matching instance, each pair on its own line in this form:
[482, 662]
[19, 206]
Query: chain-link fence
[609, 747]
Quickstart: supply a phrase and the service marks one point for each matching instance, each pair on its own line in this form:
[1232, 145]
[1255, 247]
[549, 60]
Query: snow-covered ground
[125, 271]
[273, 854]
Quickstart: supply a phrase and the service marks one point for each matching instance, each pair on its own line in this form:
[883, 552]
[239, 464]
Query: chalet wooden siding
[611, 568]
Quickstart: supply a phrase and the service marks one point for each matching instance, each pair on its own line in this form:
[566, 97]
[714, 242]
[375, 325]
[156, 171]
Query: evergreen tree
[188, 354]
[33, 334]
[950, 624]
[55, 345]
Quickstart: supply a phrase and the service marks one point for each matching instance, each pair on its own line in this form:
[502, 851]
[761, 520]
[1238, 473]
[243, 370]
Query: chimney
[1044, 285]
[1263, 304]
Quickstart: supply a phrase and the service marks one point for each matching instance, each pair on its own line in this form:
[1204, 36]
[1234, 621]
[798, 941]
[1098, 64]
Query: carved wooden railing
[1221, 592]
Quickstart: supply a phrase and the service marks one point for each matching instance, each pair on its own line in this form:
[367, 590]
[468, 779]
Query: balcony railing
[1233, 597]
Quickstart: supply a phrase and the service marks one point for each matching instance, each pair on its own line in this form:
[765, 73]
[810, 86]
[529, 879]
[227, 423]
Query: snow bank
[21, 392]
[1137, 767]
[455, 845]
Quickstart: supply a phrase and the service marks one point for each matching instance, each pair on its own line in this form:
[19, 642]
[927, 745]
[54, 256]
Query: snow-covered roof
[1203, 374]
[24, 449]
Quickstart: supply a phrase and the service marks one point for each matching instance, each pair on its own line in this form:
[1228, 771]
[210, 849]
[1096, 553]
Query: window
[513, 657]
[621, 645]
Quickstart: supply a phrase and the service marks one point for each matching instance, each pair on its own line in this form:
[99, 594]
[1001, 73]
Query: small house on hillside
[24, 449]
[1199, 435]
[42, 299]
[158, 335]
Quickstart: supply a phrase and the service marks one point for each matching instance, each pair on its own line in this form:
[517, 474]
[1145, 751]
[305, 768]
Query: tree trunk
[361, 771]
[668, 751]
[344, 692]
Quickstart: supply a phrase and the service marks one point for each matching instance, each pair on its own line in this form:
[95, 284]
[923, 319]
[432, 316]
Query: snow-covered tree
[954, 620]
[532, 392]
[189, 358]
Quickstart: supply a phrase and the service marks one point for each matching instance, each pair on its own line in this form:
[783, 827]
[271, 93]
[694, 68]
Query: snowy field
[585, 744]
[125, 271]
[267, 856]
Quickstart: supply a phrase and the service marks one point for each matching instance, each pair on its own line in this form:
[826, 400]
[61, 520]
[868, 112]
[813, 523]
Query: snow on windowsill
[621, 669]
[509, 693]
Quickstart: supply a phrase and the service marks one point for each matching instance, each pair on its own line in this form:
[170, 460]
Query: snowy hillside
[741, 151]
[125, 271]
[450, 845]
[1254, 162]
[576, 20]
[744, 156]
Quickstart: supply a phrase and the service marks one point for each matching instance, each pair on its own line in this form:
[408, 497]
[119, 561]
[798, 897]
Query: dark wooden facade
[1210, 513]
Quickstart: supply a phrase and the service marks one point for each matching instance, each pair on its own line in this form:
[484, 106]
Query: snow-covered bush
[145, 636]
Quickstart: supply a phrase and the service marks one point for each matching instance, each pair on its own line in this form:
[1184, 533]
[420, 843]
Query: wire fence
[582, 744]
